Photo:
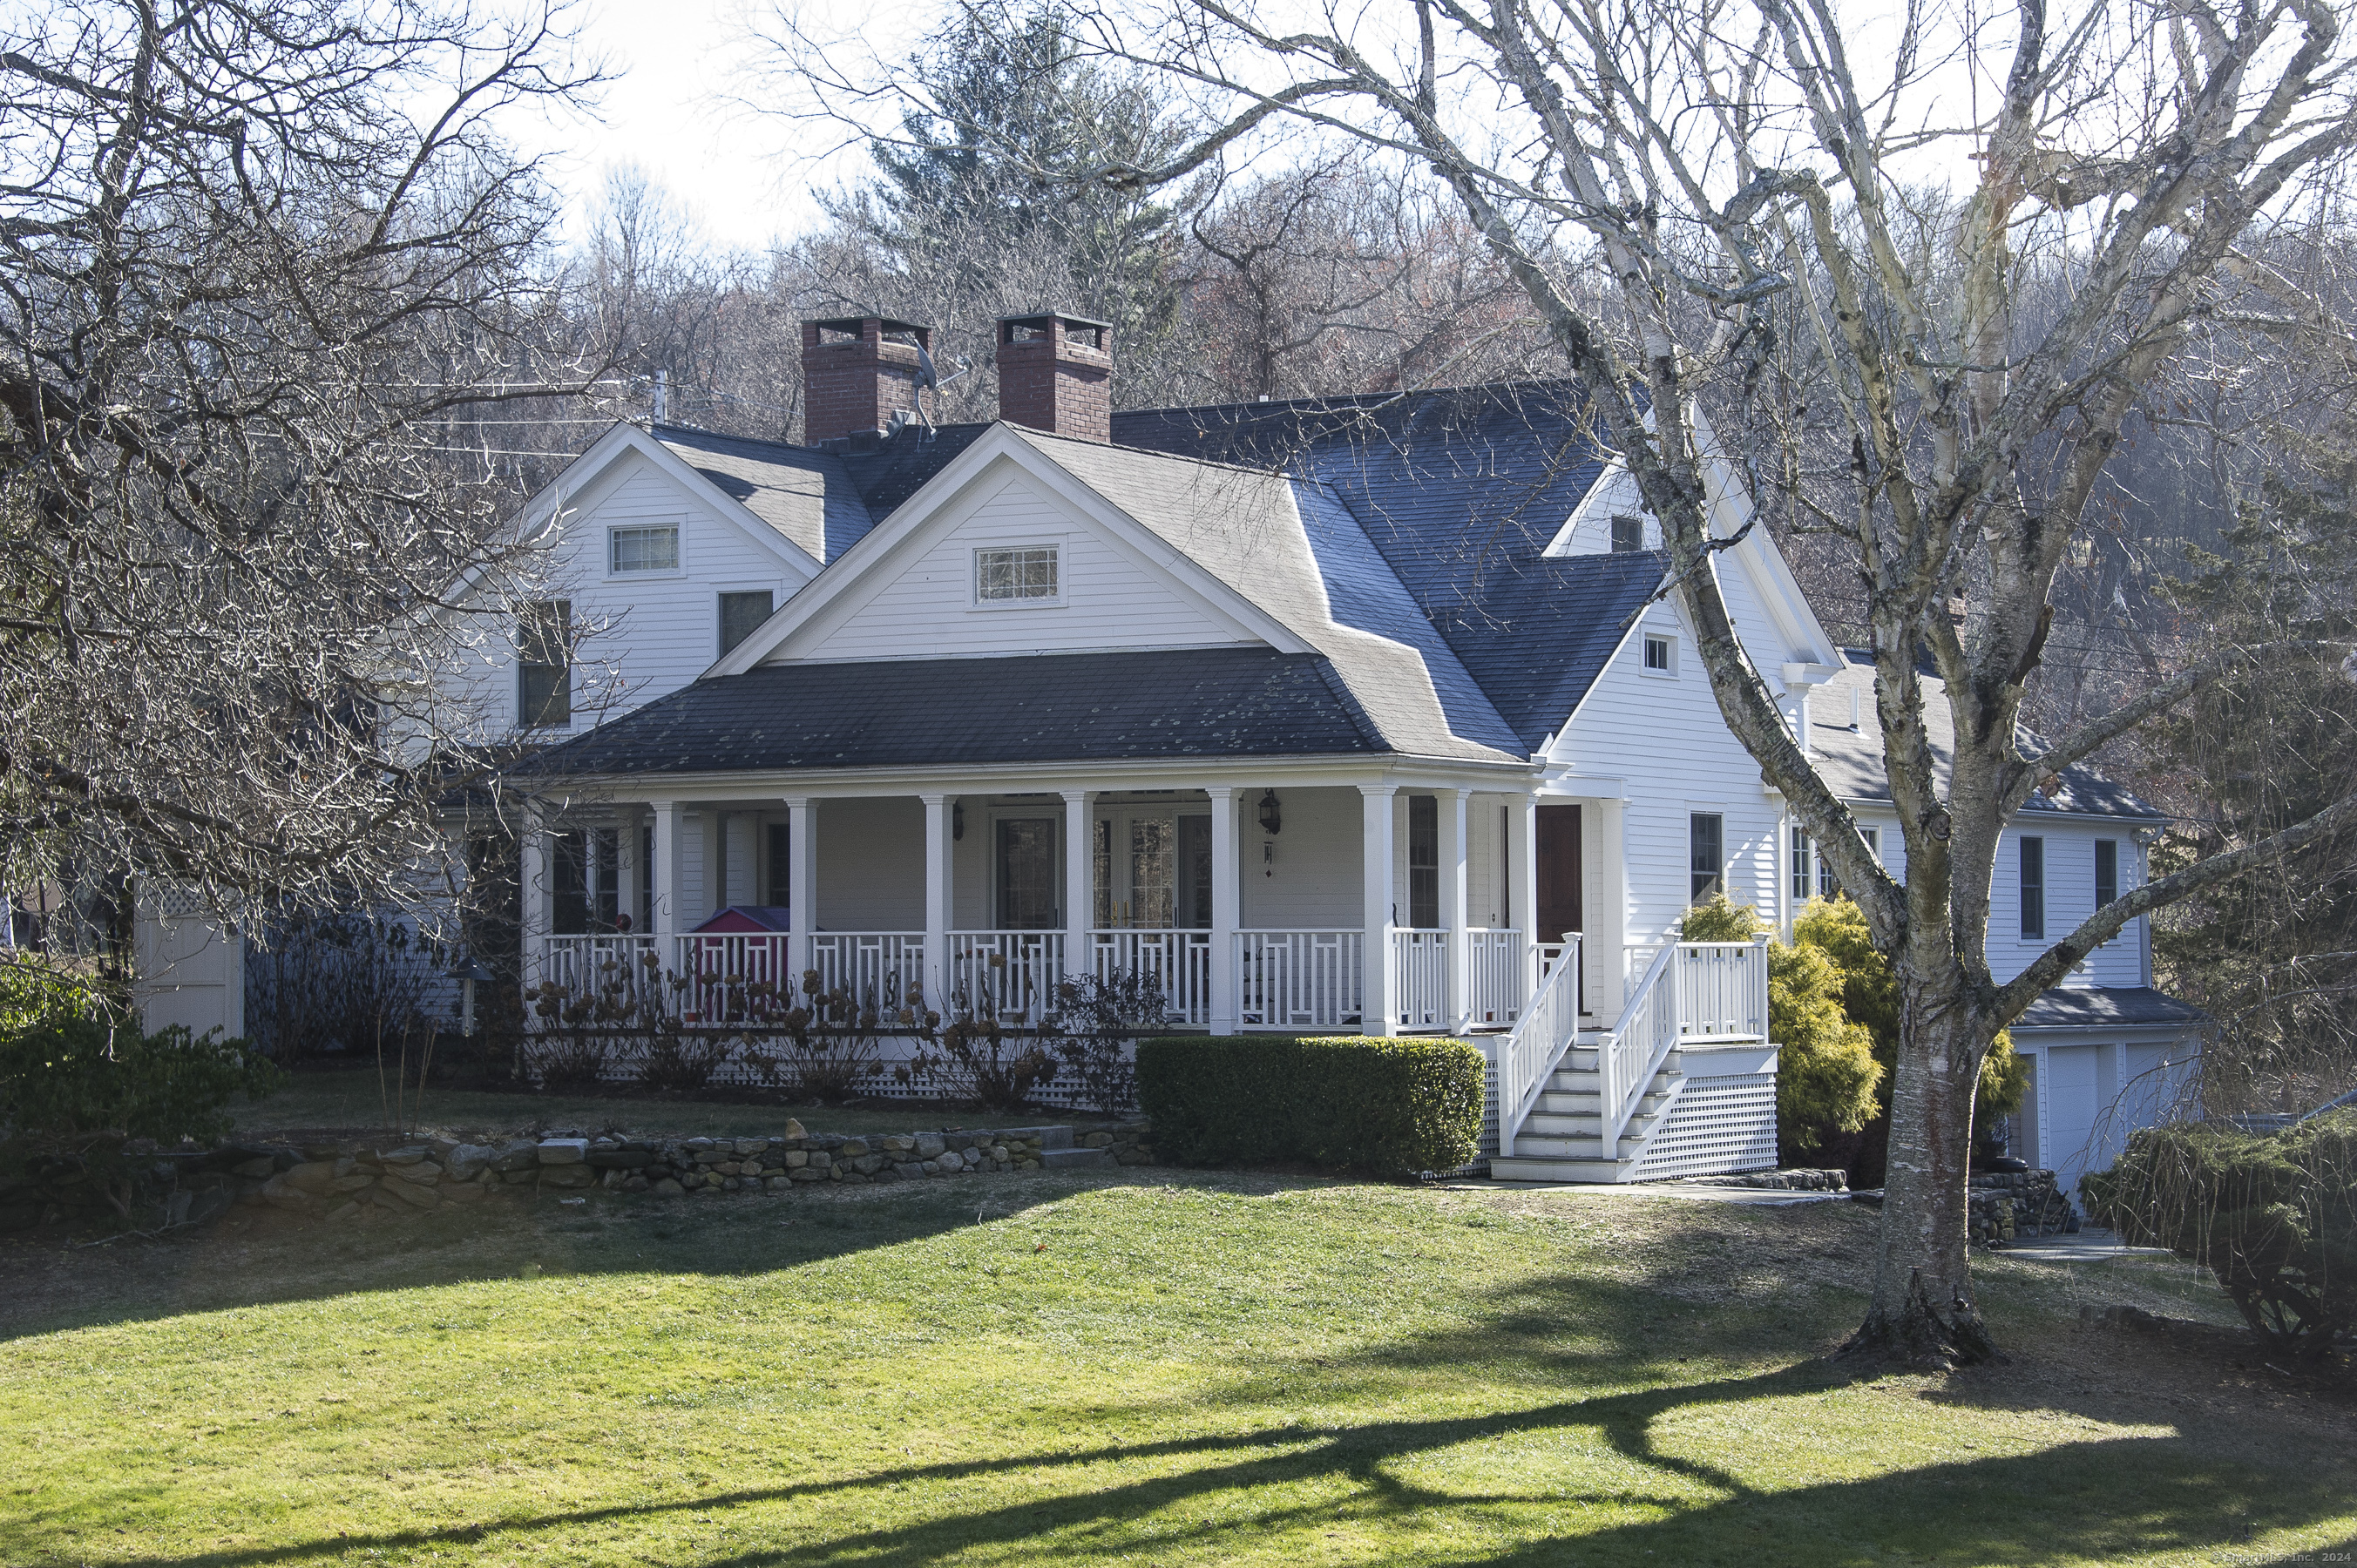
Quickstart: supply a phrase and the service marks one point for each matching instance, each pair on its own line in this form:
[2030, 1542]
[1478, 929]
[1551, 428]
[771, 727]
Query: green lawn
[1140, 1368]
[353, 1098]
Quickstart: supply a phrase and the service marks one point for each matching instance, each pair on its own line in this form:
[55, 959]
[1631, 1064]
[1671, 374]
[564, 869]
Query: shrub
[71, 1068]
[2274, 1216]
[1097, 1016]
[1394, 1107]
[976, 1057]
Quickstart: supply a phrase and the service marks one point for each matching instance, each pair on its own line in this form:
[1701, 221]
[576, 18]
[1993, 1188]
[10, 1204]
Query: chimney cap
[854, 323]
[1041, 317]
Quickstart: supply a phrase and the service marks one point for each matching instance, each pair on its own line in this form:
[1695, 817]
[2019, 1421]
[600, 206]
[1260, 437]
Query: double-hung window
[1706, 854]
[741, 615]
[2108, 872]
[2033, 888]
[545, 664]
[1800, 866]
[1424, 861]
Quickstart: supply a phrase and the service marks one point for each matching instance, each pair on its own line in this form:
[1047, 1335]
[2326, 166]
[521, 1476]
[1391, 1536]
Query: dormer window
[643, 549]
[1024, 574]
[1627, 534]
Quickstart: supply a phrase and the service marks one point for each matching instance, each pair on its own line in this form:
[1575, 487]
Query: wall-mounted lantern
[1270, 818]
[957, 820]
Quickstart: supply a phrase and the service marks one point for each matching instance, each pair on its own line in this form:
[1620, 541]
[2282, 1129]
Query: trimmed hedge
[1395, 1107]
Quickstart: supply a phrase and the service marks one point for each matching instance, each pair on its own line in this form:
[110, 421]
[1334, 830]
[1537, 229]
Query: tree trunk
[1923, 1312]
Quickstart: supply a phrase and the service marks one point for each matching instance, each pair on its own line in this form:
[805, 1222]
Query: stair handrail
[1641, 1038]
[1540, 1037]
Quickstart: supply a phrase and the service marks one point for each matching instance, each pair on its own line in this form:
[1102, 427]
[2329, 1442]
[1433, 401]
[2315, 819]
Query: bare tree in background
[267, 279]
[1679, 190]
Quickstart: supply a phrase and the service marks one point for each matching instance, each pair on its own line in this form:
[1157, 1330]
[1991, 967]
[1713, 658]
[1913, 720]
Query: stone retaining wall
[344, 1180]
[2005, 1204]
[338, 1182]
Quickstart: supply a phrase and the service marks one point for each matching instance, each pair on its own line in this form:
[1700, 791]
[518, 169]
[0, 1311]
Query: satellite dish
[926, 375]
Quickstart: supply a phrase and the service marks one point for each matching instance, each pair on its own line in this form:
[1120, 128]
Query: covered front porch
[1289, 902]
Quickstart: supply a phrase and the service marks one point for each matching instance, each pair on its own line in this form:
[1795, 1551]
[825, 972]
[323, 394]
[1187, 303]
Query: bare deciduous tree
[267, 275]
[1684, 192]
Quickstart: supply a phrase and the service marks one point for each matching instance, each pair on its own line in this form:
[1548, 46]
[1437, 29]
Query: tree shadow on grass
[277, 1259]
[2107, 1500]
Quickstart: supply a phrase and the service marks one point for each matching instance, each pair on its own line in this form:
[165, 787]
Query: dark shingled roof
[2101, 1007]
[1427, 513]
[1850, 761]
[1212, 702]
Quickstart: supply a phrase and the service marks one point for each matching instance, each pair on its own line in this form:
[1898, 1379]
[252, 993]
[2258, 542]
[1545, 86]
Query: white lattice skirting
[1719, 1126]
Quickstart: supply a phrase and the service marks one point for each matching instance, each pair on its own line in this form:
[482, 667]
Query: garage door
[2071, 1112]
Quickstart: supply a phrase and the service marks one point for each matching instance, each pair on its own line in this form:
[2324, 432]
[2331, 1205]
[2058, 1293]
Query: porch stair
[1588, 1105]
[1562, 1139]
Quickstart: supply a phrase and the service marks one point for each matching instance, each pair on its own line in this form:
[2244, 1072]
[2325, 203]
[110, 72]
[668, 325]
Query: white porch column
[665, 918]
[1606, 942]
[801, 888]
[1376, 1009]
[531, 869]
[1522, 878]
[1080, 880]
[624, 869]
[1455, 862]
[1227, 903]
[937, 903]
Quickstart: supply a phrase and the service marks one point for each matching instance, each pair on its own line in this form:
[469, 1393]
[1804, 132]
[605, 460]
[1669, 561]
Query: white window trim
[1647, 635]
[976, 601]
[655, 574]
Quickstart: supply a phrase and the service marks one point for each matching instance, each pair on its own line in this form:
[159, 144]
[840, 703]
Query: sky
[745, 176]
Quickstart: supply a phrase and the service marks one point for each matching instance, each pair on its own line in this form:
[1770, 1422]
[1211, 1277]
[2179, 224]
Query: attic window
[651, 549]
[1660, 656]
[1027, 574]
[1627, 534]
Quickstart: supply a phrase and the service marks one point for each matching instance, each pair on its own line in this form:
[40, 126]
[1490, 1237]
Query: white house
[1357, 713]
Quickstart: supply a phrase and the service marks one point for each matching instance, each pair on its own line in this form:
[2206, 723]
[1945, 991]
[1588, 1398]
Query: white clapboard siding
[927, 609]
[640, 635]
[1666, 738]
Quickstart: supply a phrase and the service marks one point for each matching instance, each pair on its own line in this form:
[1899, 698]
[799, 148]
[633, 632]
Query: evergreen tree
[2272, 957]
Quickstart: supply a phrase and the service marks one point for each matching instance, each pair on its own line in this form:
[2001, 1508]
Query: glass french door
[1153, 869]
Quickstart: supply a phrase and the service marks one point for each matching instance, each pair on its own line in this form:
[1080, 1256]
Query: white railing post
[1760, 986]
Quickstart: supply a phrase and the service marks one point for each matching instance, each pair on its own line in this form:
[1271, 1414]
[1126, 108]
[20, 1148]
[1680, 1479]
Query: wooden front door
[1558, 872]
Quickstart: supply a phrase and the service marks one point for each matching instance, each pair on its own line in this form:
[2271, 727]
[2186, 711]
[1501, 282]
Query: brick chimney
[1055, 373]
[856, 373]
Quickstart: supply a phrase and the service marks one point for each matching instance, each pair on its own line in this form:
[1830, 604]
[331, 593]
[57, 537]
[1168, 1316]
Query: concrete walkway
[2089, 1245]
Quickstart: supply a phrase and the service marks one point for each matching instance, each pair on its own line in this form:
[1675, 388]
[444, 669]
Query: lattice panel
[179, 903]
[1719, 1126]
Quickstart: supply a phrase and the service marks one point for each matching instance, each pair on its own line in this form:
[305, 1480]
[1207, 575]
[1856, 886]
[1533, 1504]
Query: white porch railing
[584, 965]
[1546, 1029]
[1018, 970]
[1690, 993]
[1181, 961]
[883, 962]
[1420, 980]
[722, 970]
[1501, 979]
[1723, 990]
[1299, 980]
